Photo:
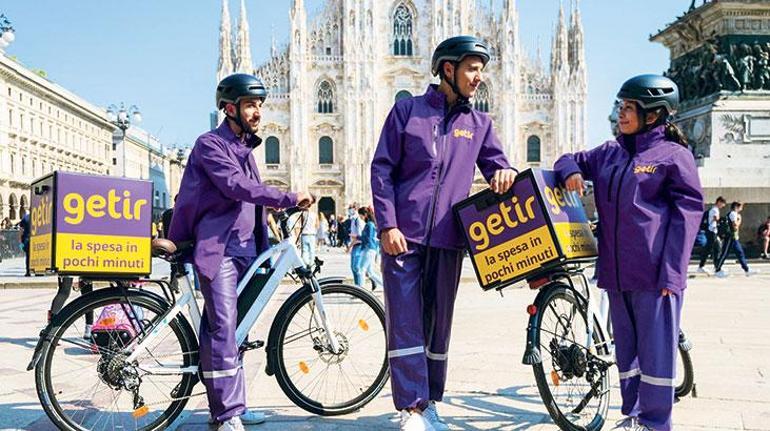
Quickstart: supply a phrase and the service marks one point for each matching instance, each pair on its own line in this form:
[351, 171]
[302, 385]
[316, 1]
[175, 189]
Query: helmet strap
[461, 100]
[237, 119]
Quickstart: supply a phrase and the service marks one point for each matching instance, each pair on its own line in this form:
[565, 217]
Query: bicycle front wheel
[84, 381]
[572, 379]
[310, 373]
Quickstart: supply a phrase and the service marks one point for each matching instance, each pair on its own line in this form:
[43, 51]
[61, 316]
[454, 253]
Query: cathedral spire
[510, 10]
[243, 45]
[225, 66]
[577, 45]
[273, 46]
[560, 54]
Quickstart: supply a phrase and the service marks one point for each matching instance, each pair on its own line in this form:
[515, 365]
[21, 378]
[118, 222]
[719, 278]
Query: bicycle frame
[284, 258]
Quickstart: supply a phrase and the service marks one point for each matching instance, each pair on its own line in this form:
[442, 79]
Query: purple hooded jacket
[214, 186]
[424, 164]
[650, 204]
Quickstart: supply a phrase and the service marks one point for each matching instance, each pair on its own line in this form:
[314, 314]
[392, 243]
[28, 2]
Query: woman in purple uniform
[650, 202]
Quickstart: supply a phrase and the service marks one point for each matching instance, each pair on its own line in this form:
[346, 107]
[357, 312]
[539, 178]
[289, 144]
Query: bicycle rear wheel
[573, 382]
[314, 377]
[86, 383]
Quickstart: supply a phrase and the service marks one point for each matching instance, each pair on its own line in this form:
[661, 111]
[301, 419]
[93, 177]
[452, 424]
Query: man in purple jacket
[221, 207]
[650, 202]
[424, 164]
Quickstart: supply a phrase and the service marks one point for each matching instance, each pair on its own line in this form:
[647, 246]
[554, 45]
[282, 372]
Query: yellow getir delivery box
[91, 225]
[535, 226]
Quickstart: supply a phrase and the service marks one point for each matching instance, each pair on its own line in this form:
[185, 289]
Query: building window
[13, 164]
[402, 31]
[325, 150]
[533, 149]
[325, 98]
[328, 51]
[403, 94]
[272, 151]
[481, 98]
[10, 117]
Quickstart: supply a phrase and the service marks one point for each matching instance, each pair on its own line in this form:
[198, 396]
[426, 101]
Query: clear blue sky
[162, 55]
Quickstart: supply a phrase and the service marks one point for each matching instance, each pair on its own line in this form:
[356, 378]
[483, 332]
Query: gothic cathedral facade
[333, 85]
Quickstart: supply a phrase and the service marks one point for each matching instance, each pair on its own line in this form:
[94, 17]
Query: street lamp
[122, 119]
[7, 33]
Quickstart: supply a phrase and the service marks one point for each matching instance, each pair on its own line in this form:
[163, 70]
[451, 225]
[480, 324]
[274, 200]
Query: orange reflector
[303, 367]
[531, 309]
[107, 321]
[555, 378]
[141, 411]
[363, 325]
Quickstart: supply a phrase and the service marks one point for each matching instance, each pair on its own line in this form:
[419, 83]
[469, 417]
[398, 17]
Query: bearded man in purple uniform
[221, 207]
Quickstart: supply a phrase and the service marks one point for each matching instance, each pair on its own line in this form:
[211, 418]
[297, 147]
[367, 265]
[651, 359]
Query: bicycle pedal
[251, 345]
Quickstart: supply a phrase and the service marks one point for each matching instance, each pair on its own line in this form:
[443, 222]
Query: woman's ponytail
[674, 133]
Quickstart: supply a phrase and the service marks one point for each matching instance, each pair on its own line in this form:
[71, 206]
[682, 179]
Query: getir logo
[496, 222]
[645, 169]
[465, 133]
[40, 215]
[98, 206]
[559, 198]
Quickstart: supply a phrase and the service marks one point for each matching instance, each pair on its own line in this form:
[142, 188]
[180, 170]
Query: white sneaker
[87, 332]
[702, 270]
[232, 424]
[252, 417]
[414, 421]
[431, 415]
[629, 423]
[751, 272]
[721, 273]
[249, 417]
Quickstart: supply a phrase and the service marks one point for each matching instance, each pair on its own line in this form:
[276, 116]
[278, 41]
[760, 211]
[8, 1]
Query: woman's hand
[665, 292]
[575, 183]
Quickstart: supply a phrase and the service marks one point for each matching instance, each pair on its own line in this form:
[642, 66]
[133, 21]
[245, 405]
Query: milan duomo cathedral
[333, 85]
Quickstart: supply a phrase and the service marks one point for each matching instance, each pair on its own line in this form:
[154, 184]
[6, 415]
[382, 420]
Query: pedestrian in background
[713, 246]
[309, 230]
[369, 248]
[323, 232]
[355, 249]
[24, 226]
[734, 218]
[763, 236]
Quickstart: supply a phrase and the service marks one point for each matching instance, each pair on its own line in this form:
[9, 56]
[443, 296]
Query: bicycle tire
[554, 291]
[73, 311]
[275, 351]
[688, 382]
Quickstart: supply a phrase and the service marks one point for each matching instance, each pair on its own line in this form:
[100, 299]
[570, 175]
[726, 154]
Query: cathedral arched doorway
[327, 206]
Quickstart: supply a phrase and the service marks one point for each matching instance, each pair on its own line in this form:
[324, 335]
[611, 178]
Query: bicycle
[570, 334]
[326, 346]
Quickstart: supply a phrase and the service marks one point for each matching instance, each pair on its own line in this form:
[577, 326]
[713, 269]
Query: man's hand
[665, 292]
[305, 199]
[502, 181]
[575, 183]
[393, 241]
